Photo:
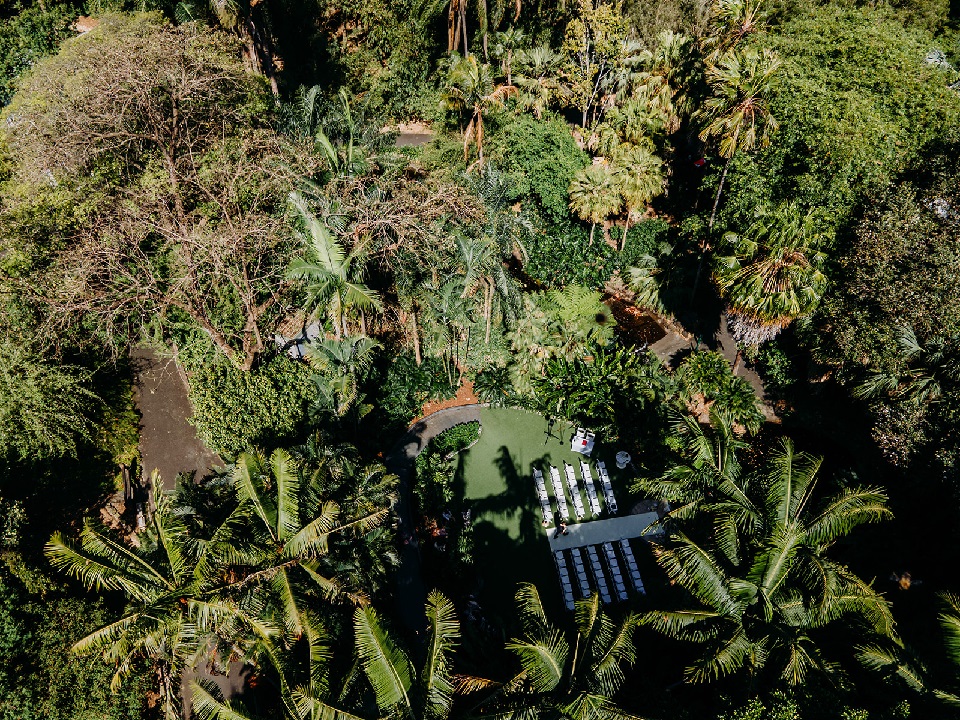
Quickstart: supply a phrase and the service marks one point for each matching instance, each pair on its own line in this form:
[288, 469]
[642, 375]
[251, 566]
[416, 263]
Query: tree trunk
[736, 360]
[488, 309]
[593, 226]
[416, 339]
[716, 199]
[713, 217]
[626, 226]
[453, 26]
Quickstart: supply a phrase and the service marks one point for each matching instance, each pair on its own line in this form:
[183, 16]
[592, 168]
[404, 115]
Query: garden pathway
[168, 442]
[596, 532]
[673, 342]
[410, 593]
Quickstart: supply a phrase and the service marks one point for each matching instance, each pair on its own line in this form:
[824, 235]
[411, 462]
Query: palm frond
[386, 666]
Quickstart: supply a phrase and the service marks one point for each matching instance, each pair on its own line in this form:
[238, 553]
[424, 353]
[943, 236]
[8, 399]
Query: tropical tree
[401, 691]
[922, 373]
[537, 79]
[332, 277]
[737, 112]
[44, 404]
[639, 177]
[765, 592]
[168, 579]
[569, 676]
[898, 661]
[472, 90]
[772, 275]
[313, 698]
[287, 532]
[340, 365]
[506, 44]
[706, 477]
[595, 194]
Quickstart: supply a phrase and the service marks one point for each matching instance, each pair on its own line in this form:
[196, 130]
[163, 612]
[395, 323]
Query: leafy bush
[400, 394]
[41, 678]
[562, 255]
[457, 438]
[708, 374]
[28, 36]
[642, 239]
[233, 410]
[540, 157]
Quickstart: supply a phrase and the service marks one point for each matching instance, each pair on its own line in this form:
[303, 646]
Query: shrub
[405, 386]
[457, 438]
[708, 374]
[540, 158]
[644, 238]
[562, 255]
[233, 410]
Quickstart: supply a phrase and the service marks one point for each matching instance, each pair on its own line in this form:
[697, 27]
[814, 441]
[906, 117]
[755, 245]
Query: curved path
[409, 592]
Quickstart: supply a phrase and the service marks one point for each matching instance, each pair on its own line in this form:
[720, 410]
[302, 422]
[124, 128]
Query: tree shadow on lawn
[503, 561]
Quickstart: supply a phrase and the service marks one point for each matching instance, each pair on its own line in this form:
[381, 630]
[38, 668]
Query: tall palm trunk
[713, 216]
[593, 226]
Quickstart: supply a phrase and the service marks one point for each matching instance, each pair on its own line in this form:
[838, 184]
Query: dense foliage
[697, 228]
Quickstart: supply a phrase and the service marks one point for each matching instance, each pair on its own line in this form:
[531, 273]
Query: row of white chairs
[632, 566]
[565, 583]
[591, 489]
[558, 492]
[574, 491]
[619, 585]
[544, 498]
[605, 570]
[607, 487]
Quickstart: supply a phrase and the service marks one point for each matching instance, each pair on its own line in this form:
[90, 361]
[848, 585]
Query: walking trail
[673, 342]
[168, 442]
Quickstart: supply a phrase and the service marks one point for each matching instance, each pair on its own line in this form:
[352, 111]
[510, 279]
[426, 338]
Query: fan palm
[737, 112]
[765, 609]
[537, 78]
[471, 89]
[595, 194]
[772, 276]
[640, 178]
[922, 372]
[574, 676]
[165, 578]
[333, 277]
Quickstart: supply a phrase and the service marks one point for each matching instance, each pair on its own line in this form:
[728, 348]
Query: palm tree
[400, 691]
[707, 479]
[508, 42]
[311, 699]
[165, 578]
[594, 194]
[896, 660]
[640, 178]
[471, 89]
[766, 607]
[333, 278]
[731, 22]
[737, 112]
[922, 371]
[287, 532]
[339, 363]
[573, 676]
[772, 275]
[537, 78]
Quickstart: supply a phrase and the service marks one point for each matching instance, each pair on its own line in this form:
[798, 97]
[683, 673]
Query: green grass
[497, 484]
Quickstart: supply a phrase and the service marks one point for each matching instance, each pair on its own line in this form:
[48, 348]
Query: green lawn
[497, 484]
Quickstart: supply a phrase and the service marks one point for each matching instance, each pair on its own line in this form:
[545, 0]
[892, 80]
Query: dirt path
[168, 442]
